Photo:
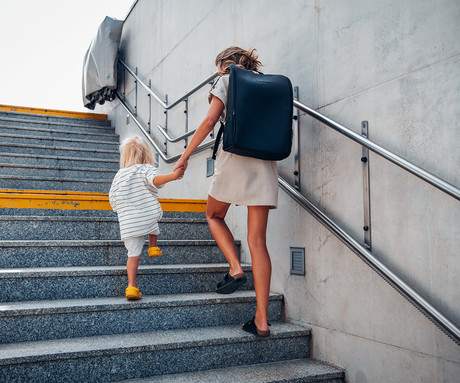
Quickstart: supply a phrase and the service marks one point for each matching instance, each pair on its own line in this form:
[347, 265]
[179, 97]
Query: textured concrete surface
[54, 120]
[295, 371]
[61, 133]
[64, 253]
[58, 151]
[143, 354]
[72, 228]
[110, 281]
[44, 320]
[69, 162]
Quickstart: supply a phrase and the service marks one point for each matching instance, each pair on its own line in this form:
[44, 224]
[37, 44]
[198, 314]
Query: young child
[134, 196]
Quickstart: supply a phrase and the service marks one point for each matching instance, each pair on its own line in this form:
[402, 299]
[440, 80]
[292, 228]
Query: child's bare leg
[131, 266]
[153, 240]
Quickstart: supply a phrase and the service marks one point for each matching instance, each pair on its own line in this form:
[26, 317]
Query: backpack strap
[216, 143]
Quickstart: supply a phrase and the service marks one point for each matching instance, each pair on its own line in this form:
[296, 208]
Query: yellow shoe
[155, 252]
[133, 293]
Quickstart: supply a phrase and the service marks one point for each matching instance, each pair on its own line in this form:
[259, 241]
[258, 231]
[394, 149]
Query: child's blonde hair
[135, 150]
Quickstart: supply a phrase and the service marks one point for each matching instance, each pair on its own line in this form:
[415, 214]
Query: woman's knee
[256, 241]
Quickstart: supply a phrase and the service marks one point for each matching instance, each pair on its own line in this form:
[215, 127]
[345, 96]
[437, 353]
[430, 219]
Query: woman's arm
[215, 110]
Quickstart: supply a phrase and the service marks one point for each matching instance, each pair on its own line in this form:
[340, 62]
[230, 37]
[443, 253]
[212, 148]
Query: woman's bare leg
[261, 264]
[215, 214]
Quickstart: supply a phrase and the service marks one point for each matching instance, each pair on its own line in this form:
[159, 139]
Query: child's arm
[162, 179]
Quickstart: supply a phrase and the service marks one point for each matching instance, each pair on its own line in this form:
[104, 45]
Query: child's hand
[179, 173]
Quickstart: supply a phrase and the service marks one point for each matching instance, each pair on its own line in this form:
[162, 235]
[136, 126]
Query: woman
[242, 181]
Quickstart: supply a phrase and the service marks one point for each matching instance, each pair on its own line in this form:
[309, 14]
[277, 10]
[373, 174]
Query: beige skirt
[244, 181]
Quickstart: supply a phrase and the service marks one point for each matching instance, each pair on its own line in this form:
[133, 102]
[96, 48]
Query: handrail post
[366, 188]
[186, 121]
[150, 108]
[135, 95]
[296, 141]
[166, 125]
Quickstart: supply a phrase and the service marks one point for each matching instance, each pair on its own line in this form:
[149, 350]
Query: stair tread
[63, 158]
[30, 136]
[42, 123]
[102, 242]
[109, 270]
[45, 128]
[113, 303]
[308, 370]
[58, 179]
[53, 167]
[68, 148]
[90, 219]
[138, 342]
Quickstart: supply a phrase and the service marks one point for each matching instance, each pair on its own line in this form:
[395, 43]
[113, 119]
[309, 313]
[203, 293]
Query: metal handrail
[157, 98]
[168, 160]
[416, 299]
[406, 165]
[178, 138]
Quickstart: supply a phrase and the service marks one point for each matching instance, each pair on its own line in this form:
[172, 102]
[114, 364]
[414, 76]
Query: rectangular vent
[297, 260]
[209, 167]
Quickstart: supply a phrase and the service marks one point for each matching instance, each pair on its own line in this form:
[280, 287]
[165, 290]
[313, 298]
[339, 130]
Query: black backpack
[259, 113]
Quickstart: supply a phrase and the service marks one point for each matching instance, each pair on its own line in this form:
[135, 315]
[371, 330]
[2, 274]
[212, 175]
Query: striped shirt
[135, 199]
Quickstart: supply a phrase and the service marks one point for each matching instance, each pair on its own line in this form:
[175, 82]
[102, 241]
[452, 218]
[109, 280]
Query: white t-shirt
[135, 199]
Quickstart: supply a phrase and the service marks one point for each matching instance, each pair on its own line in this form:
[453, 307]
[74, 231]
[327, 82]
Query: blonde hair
[238, 56]
[135, 150]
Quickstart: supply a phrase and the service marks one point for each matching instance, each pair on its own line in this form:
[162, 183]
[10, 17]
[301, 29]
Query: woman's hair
[238, 56]
[135, 150]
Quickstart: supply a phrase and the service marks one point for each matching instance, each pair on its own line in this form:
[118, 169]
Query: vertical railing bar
[186, 122]
[135, 96]
[296, 142]
[366, 188]
[150, 108]
[166, 124]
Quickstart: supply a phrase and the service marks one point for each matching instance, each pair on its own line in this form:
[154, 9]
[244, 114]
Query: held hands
[181, 163]
[178, 173]
[180, 166]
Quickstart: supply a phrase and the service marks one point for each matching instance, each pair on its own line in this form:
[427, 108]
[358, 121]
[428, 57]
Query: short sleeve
[150, 173]
[220, 89]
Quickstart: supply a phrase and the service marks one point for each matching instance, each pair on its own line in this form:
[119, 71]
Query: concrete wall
[393, 63]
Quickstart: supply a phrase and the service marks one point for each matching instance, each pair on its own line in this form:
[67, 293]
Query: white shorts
[135, 245]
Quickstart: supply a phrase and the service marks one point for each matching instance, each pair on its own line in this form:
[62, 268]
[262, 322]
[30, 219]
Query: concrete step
[58, 142]
[26, 170]
[89, 213]
[129, 356]
[70, 122]
[26, 284]
[55, 131]
[59, 151]
[61, 162]
[89, 228]
[45, 320]
[56, 183]
[289, 371]
[64, 253]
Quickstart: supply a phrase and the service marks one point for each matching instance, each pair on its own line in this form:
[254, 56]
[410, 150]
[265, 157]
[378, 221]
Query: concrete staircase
[63, 315]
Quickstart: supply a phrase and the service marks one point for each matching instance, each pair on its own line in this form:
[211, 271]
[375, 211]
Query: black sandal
[230, 284]
[250, 326]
